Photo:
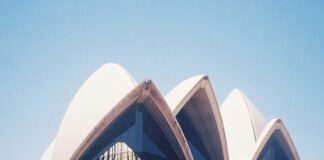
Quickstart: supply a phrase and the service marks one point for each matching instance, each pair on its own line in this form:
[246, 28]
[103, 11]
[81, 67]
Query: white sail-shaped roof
[195, 97]
[49, 152]
[145, 93]
[236, 131]
[243, 123]
[182, 93]
[247, 132]
[275, 128]
[103, 90]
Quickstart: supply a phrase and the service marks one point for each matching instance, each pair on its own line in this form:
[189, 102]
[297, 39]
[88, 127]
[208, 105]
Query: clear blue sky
[272, 50]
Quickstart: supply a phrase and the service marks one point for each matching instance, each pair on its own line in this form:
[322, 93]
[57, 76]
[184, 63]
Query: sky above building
[272, 50]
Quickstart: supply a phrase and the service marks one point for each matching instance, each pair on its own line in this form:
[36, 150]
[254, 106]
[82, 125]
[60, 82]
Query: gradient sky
[272, 50]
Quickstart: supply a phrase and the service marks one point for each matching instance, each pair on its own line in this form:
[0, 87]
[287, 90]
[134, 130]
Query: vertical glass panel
[134, 135]
[273, 150]
[196, 146]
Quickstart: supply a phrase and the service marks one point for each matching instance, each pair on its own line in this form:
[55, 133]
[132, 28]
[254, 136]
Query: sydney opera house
[112, 117]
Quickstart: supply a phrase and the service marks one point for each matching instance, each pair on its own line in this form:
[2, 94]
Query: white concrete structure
[247, 131]
[103, 90]
[195, 98]
[113, 117]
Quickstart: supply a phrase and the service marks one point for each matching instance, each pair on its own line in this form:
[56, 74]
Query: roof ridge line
[250, 114]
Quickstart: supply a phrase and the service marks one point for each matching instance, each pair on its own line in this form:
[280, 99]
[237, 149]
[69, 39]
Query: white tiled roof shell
[101, 91]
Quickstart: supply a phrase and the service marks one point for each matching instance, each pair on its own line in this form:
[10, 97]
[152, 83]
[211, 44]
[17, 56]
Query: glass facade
[197, 148]
[134, 135]
[273, 150]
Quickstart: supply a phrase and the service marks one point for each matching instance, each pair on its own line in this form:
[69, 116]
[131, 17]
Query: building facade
[112, 117]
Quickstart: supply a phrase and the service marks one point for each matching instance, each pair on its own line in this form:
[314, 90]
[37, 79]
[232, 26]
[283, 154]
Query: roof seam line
[252, 123]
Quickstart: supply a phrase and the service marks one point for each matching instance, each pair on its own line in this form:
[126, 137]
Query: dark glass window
[197, 148]
[273, 150]
[134, 135]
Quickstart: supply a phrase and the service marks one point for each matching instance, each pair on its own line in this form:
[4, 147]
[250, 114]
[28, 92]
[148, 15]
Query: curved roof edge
[48, 154]
[183, 92]
[180, 94]
[148, 94]
[238, 110]
[98, 94]
[272, 126]
[258, 121]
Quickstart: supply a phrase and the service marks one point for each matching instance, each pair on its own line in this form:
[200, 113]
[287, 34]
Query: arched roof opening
[194, 104]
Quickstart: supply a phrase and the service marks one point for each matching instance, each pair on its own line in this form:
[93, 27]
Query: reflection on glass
[196, 146]
[135, 135]
[273, 150]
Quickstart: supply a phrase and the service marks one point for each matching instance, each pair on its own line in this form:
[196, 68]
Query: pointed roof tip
[116, 67]
[187, 83]
[248, 103]
[257, 119]
[237, 90]
[194, 79]
[205, 76]
[235, 93]
[112, 66]
[241, 94]
[179, 92]
[148, 81]
[277, 120]
[199, 76]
